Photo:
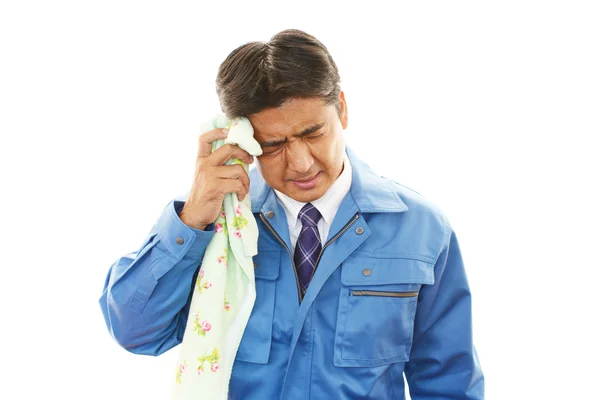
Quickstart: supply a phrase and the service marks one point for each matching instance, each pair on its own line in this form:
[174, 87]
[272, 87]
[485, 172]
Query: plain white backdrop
[489, 109]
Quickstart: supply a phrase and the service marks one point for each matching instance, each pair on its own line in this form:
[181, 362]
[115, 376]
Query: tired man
[359, 280]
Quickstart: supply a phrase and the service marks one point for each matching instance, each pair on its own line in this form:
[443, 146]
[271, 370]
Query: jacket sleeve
[146, 294]
[443, 361]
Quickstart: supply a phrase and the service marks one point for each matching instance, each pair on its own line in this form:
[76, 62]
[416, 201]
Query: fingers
[233, 186]
[225, 178]
[227, 151]
[234, 172]
[224, 153]
[205, 141]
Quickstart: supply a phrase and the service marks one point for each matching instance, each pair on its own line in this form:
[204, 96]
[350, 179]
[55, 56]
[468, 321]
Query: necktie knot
[309, 215]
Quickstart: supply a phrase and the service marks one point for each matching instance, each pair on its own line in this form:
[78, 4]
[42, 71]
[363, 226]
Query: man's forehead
[292, 129]
[291, 118]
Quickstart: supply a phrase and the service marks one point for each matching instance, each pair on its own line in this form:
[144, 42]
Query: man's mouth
[307, 183]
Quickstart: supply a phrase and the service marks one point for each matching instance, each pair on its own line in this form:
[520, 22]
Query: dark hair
[259, 75]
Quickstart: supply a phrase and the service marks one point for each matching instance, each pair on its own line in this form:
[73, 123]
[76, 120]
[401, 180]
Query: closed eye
[273, 151]
[276, 149]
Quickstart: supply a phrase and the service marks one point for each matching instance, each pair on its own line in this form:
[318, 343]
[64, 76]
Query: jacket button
[179, 240]
[360, 230]
[366, 272]
[269, 214]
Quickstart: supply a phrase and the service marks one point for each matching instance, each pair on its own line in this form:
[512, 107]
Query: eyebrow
[307, 131]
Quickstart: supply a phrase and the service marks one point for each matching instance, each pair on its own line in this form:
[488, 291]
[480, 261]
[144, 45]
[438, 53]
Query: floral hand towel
[224, 292]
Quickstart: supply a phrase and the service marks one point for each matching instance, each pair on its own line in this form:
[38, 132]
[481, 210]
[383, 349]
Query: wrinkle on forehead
[290, 118]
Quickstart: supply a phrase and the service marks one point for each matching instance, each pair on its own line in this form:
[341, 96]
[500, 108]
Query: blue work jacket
[389, 296]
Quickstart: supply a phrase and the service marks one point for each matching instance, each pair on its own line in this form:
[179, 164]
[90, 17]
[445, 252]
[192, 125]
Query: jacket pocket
[377, 307]
[255, 346]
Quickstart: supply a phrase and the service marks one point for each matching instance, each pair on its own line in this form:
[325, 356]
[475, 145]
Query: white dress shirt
[327, 205]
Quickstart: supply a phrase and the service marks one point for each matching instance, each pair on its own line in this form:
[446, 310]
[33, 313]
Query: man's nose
[299, 157]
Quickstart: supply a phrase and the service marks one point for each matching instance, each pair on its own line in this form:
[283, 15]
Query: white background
[489, 109]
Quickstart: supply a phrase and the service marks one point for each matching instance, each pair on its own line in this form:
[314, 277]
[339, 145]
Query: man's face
[303, 146]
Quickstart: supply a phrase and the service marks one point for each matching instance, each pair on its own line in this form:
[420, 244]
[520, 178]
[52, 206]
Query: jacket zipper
[377, 293]
[340, 233]
[288, 250]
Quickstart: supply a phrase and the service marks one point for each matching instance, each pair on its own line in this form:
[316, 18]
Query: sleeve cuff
[180, 239]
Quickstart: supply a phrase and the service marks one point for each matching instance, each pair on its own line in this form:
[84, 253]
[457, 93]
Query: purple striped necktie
[308, 246]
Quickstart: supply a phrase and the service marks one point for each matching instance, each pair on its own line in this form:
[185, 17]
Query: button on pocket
[255, 346]
[376, 311]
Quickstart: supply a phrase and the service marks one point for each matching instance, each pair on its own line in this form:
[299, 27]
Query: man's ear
[343, 110]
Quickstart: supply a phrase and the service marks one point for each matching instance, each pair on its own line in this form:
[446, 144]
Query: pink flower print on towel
[202, 284]
[212, 359]
[226, 304]
[180, 371]
[201, 327]
[223, 259]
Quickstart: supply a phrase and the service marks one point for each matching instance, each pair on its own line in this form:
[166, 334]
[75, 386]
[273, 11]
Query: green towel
[224, 292]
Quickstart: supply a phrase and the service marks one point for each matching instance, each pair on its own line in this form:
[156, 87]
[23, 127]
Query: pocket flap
[366, 271]
[266, 264]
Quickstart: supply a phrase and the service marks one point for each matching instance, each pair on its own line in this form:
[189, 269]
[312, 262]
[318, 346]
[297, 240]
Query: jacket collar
[371, 192]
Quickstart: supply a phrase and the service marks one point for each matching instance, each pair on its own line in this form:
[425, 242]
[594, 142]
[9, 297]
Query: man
[359, 280]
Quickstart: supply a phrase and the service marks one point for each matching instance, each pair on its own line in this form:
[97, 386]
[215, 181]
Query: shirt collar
[326, 204]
